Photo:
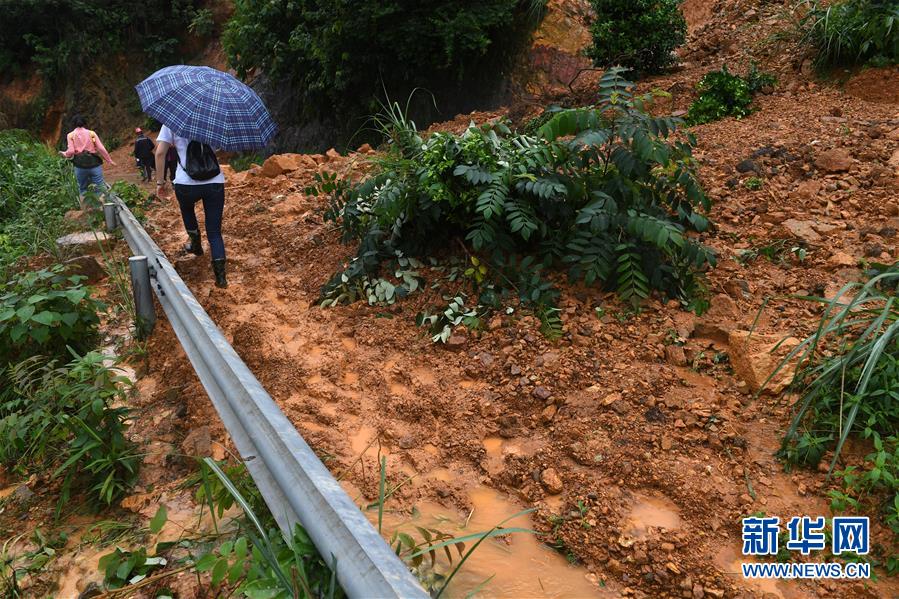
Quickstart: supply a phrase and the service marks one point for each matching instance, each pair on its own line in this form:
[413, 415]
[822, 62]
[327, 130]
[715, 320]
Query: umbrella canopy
[206, 105]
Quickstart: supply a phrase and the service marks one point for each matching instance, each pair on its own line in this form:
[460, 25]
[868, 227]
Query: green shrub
[721, 95]
[853, 32]
[42, 312]
[66, 418]
[59, 37]
[242, 162]
[342, 54]
[606, 191]
[639, 34]
[37, 187]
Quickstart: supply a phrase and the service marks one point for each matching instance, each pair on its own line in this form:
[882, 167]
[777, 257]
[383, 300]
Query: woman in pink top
[87, 154]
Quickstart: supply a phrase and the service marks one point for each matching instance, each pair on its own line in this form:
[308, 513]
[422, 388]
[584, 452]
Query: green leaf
[45, 317]
[159, 519]
[219, 571]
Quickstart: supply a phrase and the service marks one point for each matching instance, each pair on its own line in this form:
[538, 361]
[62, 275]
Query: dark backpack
[201, 163]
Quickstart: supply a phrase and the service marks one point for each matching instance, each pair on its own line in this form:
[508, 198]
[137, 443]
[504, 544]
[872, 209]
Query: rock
[720, 320]
[698, 591]
[365, 149]
[92, 589]
[808, 189]
[675, 355]
[894, 160]
[541, 393]
[456, 342]
[198, 442]
[278, 164]
[754, 357]
[23, 496]
[86, 266]
[551, 480]
[836, 160]
[801, 229]
[88, 239]
[737, 288]
[548, 413]
[841, 259]
[747, 166]
[611, 398]
[407, 442]
[333, 155]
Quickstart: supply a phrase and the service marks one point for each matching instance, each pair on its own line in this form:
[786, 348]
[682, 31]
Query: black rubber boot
[195, 245]
[218, 268]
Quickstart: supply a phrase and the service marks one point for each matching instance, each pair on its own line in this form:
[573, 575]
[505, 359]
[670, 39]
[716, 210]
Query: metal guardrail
[295, 484]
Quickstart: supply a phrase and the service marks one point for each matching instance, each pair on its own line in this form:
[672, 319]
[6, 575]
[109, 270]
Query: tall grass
[37, 187]
[852, 32]
[847, 371]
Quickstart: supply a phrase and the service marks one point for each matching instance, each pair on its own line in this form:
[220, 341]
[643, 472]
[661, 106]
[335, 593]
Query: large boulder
[755, 356]
[82, 241]
[279, 164]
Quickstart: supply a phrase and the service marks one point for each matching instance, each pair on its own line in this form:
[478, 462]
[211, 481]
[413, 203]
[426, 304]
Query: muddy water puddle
[520, 566]
[728, 560]
[651, 513]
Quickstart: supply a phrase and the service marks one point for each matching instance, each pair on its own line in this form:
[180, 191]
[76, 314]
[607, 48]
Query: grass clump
[723, 94]
[848, 374]
[605, 192]
[852, 32]
[37, 187]
[638, 34]
[69, 419]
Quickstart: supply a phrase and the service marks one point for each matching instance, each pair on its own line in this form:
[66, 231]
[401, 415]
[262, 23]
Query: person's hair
[79, 121]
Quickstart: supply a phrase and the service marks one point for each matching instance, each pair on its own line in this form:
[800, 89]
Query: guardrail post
[145, 313]
[109, 213]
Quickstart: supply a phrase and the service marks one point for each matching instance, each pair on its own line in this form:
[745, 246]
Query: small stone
[746, 166]
[22, 495]
[675, 355]
[198, 443]
[456, 342]
[541, 393]
[672, 567]
[86, 266]
[841, 259]
[548, 413]
[611, 398]
[365, 149]
[333, 155]
[666, 443]
[836, 160]
[551, 481]
[698, 591]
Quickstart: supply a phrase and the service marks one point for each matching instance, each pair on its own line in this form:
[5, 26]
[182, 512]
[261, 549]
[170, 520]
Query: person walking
[87, 154]
[144, 152]
[189, 191]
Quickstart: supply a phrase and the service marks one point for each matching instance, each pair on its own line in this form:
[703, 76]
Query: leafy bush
[37, 187]
[721, 95]
[639, 34]
[853, 32]
[42, 312]
[61, 36]
[65, 417]
[342, 54]
[607, 191]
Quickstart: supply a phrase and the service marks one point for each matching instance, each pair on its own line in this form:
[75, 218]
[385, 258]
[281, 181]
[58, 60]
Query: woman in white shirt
[188, 192]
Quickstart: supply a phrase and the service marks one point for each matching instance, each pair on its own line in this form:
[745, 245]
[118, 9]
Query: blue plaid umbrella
[206, 105]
